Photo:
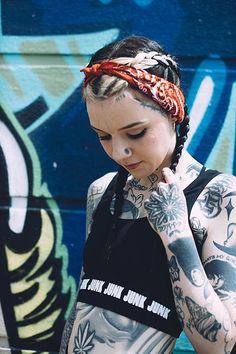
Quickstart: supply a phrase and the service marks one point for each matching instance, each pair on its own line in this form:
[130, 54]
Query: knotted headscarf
[165, 93]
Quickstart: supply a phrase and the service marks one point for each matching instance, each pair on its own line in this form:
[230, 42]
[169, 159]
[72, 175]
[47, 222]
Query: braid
[167, 68]
[134, 51]
[138, 52]
[120, 183]
[181, 138]
[119, 199]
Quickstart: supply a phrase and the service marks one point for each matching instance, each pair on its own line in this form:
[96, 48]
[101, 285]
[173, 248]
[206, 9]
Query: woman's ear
[173, 119]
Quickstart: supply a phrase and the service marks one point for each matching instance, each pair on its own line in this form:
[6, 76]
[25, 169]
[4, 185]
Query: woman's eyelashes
[138, 135]
[104, 137]
[130, 136]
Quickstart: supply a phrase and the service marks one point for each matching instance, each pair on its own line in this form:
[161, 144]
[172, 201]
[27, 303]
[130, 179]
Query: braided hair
[139, 52]
[182, 134]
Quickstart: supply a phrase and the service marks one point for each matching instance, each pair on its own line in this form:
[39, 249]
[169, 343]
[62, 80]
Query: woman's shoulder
[98, 187]
[217, 195]
[95, 193]
[222, 182]
[217, 187]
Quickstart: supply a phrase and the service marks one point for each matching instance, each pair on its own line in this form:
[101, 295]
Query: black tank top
[132, 279]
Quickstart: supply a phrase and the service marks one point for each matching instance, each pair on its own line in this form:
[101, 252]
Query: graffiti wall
[49, 156]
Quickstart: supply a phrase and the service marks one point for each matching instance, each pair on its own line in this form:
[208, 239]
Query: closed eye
[131, 136]
[104, 137]
[139, 135]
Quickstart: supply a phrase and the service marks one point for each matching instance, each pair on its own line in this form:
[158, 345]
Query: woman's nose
[120, 151]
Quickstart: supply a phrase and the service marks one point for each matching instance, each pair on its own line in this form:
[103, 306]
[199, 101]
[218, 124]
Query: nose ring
[127, 151]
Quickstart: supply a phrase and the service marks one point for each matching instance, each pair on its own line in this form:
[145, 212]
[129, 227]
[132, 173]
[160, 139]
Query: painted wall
[48, 155]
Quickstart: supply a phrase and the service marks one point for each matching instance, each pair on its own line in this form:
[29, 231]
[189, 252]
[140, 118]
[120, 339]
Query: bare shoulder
[220, 188]
[217, 206]
[98, 187]
[214, 209]
[226, 181]
[217, 194]
[95, 193]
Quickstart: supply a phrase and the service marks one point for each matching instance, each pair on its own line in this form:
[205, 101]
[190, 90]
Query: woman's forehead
[122, 100]
[121, 110]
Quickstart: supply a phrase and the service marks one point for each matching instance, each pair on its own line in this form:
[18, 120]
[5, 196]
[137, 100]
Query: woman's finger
[168, 175]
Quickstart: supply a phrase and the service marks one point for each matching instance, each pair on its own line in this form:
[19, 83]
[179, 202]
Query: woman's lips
[133, 165]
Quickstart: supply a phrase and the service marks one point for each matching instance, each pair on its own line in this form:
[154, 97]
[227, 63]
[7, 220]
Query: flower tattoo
[166, 209]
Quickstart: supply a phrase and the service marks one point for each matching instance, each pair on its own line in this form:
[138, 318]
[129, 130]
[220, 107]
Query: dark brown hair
[168, 69]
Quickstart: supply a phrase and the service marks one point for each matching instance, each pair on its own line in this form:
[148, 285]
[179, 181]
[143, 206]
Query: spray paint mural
[48, 155]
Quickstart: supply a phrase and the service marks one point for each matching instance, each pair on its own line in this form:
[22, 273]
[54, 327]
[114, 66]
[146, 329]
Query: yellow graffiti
[47, 67]
[44, 246]
[43, 292]
[10, 78]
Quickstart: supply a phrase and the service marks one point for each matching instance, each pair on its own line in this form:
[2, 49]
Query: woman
[156, 227]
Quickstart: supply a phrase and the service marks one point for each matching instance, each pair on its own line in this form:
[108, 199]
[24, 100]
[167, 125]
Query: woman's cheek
[152, 138]
[150, 141]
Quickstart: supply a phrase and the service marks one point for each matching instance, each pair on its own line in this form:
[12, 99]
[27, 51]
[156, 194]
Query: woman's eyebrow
[133, 125]
[125, 127]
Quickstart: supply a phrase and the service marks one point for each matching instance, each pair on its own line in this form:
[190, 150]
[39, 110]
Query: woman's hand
[166, 209]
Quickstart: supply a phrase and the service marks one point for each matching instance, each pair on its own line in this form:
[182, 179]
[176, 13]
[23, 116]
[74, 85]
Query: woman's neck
[187, 170]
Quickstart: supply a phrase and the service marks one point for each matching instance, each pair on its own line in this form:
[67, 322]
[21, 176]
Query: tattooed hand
[166, 209]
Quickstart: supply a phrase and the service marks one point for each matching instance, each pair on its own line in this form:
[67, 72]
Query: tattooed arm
[95, 192]
[205, 297]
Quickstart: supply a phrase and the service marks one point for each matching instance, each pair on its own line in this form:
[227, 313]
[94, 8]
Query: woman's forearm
[205, 319]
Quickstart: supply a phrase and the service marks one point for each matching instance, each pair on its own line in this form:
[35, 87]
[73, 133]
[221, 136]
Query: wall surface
[48, 155]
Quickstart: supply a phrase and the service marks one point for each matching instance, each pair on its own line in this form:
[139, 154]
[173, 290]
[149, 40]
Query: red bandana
[165, 93]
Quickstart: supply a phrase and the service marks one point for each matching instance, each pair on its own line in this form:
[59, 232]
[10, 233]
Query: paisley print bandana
[165, 93]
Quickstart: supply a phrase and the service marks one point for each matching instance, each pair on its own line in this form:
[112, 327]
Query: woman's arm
[206, 307]
[95, 192]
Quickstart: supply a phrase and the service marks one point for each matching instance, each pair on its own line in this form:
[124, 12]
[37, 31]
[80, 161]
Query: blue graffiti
[71, 32]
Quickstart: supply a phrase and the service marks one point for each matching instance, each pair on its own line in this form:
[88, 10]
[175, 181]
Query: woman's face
[134, 122]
